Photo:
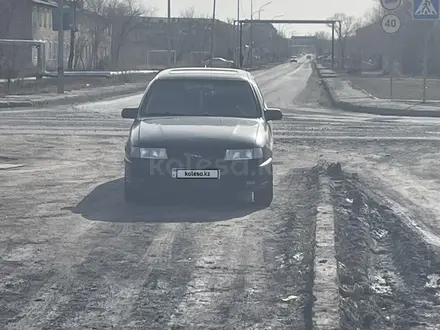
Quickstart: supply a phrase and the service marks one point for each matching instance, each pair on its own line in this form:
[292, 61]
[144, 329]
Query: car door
[267, 124]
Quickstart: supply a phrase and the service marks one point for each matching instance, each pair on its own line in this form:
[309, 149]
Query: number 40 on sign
[391, 23]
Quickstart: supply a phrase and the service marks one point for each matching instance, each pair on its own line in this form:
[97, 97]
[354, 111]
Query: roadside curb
[328, 90]
[375, 110]
[315, 69]
[325, 314]
[347, 106]
[70, 99]
[352, 107]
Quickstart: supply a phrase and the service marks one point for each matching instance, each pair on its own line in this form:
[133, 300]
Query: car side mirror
[273, 114]
[130, 113]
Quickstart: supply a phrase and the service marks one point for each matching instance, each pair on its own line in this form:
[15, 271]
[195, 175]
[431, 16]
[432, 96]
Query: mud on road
[388, 274]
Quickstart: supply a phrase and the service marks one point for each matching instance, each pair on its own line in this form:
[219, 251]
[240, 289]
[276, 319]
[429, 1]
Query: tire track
[242, 276]
[106, 293]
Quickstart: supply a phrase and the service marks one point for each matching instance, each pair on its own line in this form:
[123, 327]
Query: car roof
[204, 73]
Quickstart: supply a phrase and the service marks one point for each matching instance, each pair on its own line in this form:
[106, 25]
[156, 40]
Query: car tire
[264, 197]
[131, 195]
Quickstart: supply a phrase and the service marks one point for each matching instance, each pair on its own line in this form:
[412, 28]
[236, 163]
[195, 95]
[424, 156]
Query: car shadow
[106, 203]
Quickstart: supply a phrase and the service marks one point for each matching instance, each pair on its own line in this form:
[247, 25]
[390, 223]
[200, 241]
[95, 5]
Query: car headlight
[243, 154]
[148, 153]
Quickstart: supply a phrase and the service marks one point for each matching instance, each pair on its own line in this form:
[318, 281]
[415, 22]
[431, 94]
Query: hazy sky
[290, 9]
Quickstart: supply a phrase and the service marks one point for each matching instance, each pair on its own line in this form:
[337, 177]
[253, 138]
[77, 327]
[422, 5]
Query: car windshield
[201, 97]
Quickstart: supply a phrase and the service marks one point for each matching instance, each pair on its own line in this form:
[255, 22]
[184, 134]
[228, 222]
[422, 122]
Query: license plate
[195, 174]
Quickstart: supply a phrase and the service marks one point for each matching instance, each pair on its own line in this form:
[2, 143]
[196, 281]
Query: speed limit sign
[390, 4]
[391, 23]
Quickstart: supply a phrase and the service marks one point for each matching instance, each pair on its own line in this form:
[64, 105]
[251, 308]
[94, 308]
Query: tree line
[409, 44]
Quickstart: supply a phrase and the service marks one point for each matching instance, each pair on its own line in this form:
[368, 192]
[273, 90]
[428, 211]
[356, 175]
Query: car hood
[175, 131]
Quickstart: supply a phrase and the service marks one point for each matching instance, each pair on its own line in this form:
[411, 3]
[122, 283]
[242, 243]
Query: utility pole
[73, 5]
[251, 35]
[169, 33]
[333, 45]
[212, 32]
[342, 55]
[391, 66]
[426, 58]
[241, 44]
[61, 47]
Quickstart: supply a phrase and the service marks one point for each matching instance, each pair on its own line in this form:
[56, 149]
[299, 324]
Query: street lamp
[277, 16]
[251, 31]
[261, 8]
[259, 13]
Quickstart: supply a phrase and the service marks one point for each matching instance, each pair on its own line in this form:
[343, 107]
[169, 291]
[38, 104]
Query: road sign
[426, 9]
[68, 19]
[391, 23]
[390, 4]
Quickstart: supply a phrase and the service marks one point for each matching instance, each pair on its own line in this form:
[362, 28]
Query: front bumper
[237, 176]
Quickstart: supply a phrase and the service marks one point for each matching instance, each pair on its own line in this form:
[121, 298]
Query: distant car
[309, 57]
[294, 59]
[219, 62]
[207, 129]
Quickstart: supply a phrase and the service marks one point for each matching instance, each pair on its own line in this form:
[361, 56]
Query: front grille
[184, 154]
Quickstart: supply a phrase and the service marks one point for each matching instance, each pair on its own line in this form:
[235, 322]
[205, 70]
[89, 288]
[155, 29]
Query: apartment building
[41, 20]
[33, 19]
[188, 36]
[92, 40]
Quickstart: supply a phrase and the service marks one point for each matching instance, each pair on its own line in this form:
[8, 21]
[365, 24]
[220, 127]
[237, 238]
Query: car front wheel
[264, 197]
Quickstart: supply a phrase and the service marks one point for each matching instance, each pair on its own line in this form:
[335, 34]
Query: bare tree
[97, 6]
[323, 39]
[408, 43]
[322, 35]
[76, 5]
[125, 17]
[80, 45]
[345, 27]
[101, 25]
[118, 17]
[374, 15]
[189, 12]
[283, 34]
